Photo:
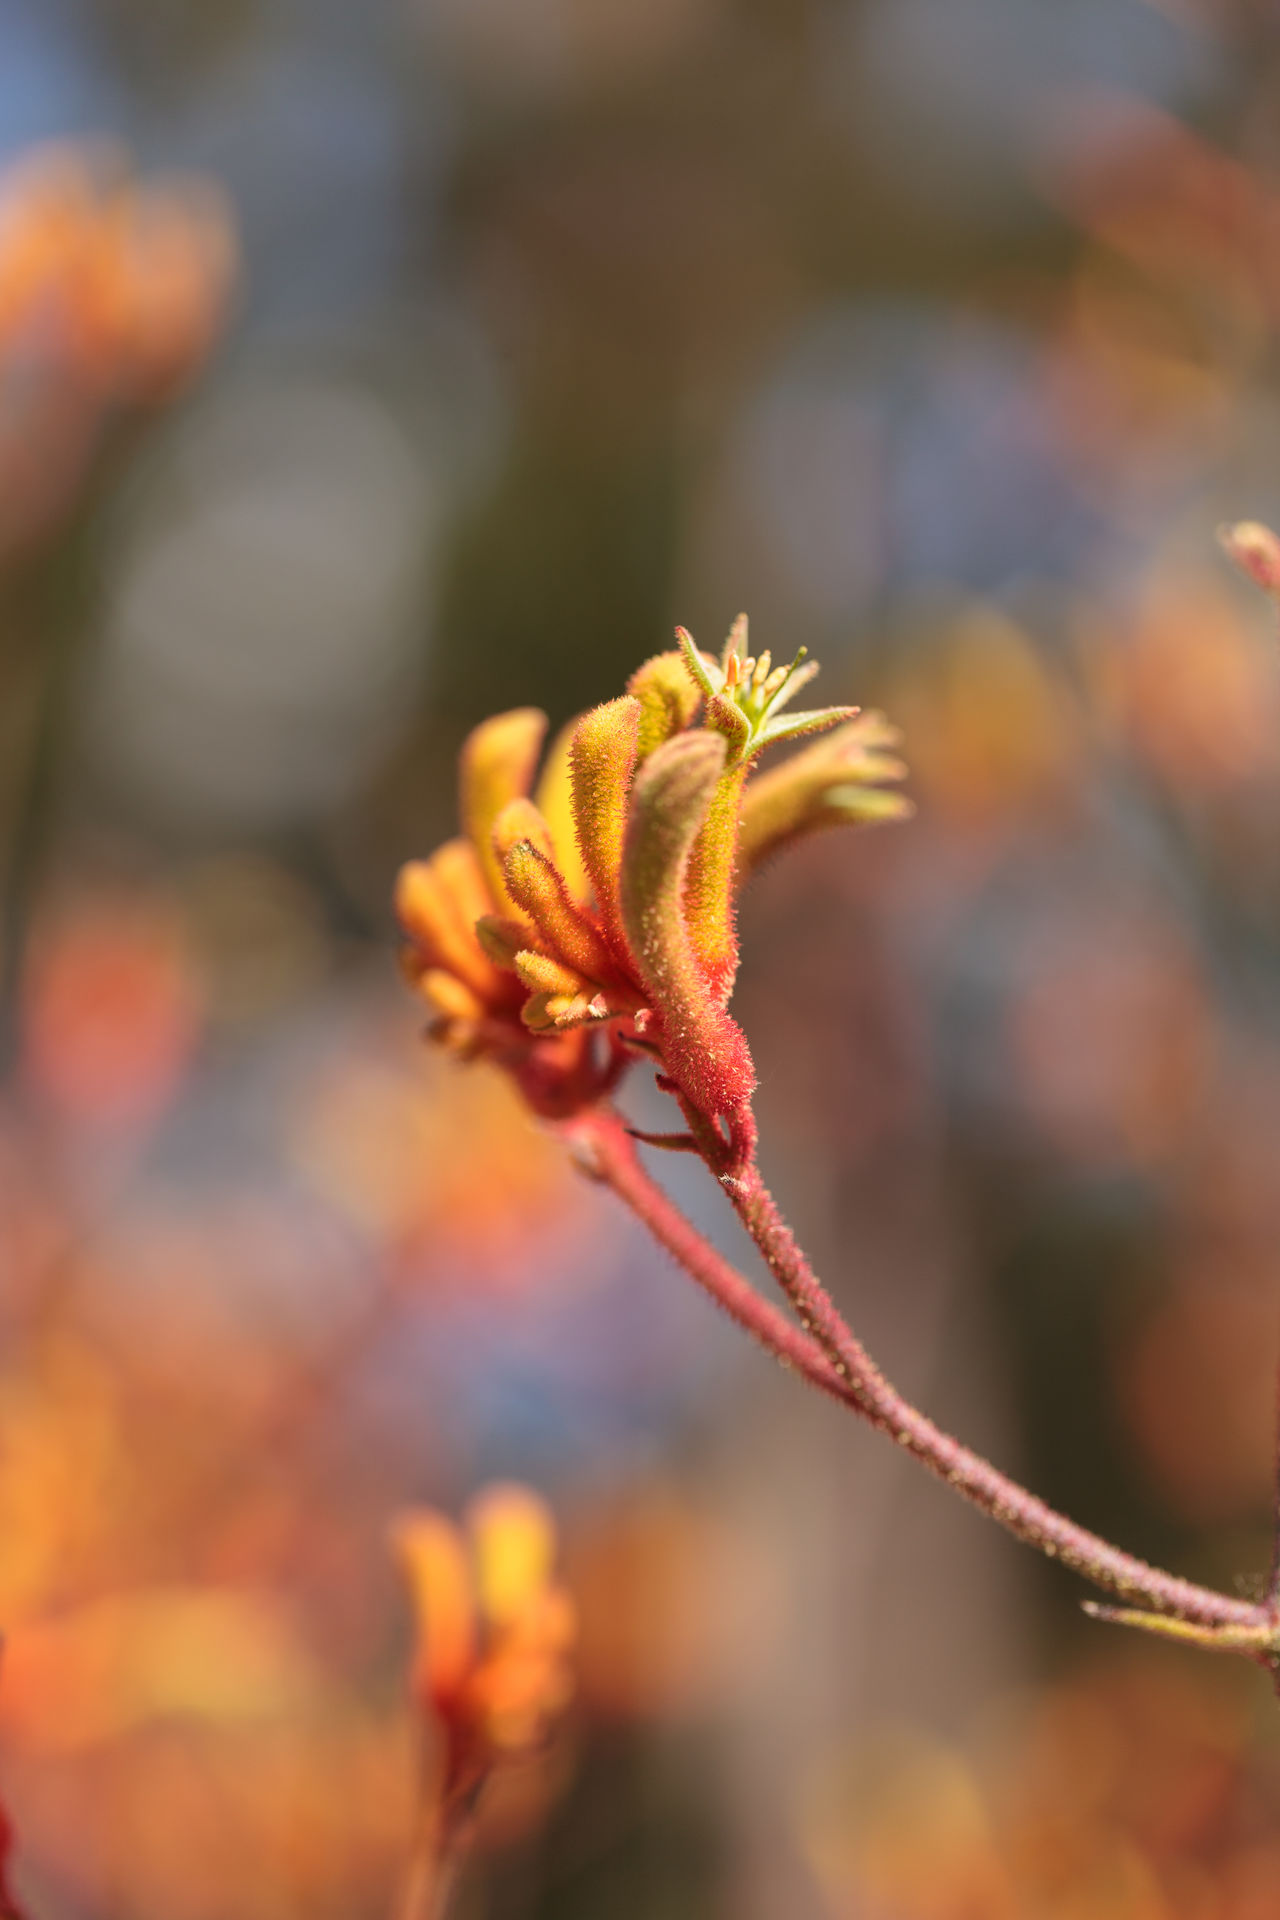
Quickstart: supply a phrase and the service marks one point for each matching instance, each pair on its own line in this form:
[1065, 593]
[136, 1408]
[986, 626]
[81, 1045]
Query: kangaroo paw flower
[494, 1631]
[568, 936]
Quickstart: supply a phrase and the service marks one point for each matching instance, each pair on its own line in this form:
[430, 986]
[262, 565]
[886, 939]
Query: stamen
[736, 643]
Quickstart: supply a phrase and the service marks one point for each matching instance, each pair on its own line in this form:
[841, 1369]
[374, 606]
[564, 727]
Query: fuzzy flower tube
[585, 923]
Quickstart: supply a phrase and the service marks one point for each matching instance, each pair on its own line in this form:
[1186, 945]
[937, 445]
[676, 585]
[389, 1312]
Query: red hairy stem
[605, 1151]
[824, 1350]
[1020, 1512]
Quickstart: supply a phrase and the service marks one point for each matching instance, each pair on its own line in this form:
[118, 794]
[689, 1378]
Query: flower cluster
[568, 932]
[495, 1631]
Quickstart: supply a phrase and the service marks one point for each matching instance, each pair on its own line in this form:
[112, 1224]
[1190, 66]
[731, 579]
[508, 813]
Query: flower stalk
[825, 1352]
[634, 960]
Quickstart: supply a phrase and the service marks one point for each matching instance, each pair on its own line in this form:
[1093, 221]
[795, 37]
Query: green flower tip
[745, 695]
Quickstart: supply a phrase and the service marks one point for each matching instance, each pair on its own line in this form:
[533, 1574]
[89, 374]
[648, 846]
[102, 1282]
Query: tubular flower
[573, 930]
[494, 1630]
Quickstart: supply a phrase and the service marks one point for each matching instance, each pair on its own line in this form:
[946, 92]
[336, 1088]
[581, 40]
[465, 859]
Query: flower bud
[705, 1051]
[499, 759]
[668, 696]
[538, 889]
[602, 758]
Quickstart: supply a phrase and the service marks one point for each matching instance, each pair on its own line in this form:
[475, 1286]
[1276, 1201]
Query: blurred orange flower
[97, 1672]
[111, 295]
[124, 285]
[995, 736]
[1172, 204]
[111, 1012]
[494, 1627]
[1189, 686]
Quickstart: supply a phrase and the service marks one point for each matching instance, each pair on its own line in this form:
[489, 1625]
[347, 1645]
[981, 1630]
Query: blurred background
[435, 356]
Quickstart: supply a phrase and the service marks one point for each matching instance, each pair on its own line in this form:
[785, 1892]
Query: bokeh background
[496, 336]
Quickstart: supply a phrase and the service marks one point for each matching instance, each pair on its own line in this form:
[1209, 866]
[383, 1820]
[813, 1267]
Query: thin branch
[439, 1850]
[825, 1351]
[432, 1876]
[603, 1149]
[1002, 1499]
